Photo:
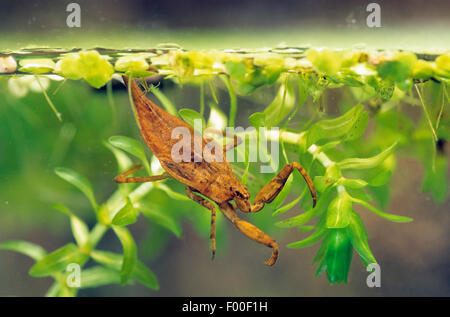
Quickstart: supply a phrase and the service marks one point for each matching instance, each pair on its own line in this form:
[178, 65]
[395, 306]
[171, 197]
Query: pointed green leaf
[358, 237]
[171, 193]
[288, 206]
[99, 276]
[281, 106]
[79, 181]
[58, 260]
[167, 104]
[127, 215]
[123, 161]
[297, 220]
[312, 239]
[257, 120]
[339, 211]
[154, 214]
[354, 119]
[80, 230]
[390, 217]
[129, 253]
[114, 261]
[32, 250]
[131, 146]
[353, 183]
[365, 163]
[307, 228]
[193, 118]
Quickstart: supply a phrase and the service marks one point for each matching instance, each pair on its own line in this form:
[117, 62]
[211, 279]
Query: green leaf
[144, 276]
[312, 239]
[325, 61]
[353, 121]
[236, 69]
[99, 276]
[422, 70]
[306, 228]
[358, 238]
[365, 163]
[37, 65]
[123, 161]
[303, 218]
[90, 65]
[140, 272]
[133, 65]
[390, 217]
[257, 120]
[58, 260]
[321, 183]
[338, 256]
[297, 220]
[155, 214]
[126, 215]
[80, 230]
[435, 180]
[217, 119]
[32, 250]
[443, 65]
[131, 146]
[353, 183]
[399, 68]
[190, 116]
[167, 104]
[281, 106]
[339, 211]
[129, 253]
[79, 181]
[288, 206]
[382, 173]
[171, 193]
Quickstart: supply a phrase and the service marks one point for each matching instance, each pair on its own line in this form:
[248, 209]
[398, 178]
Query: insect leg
[123, 178]
[207, 204]
[251, 231]
[268, 193]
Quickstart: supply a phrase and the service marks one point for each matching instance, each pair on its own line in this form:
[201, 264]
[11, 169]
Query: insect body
[211, 178]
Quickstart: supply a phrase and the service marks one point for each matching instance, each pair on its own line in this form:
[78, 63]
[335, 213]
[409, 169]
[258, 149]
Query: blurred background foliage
[414, 257]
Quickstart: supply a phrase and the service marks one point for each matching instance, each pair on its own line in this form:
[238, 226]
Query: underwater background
[414, 257]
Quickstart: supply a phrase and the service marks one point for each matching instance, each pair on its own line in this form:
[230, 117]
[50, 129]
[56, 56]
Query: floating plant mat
[249, 69]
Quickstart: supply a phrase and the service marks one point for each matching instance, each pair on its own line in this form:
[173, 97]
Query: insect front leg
[207, 204]
[268, 193]
[123, 178]
[251, 231]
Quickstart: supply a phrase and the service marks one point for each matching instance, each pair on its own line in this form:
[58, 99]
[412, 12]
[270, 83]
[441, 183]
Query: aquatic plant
[350, 165]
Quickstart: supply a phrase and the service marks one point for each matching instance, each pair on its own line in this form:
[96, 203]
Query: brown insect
[213, 179]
